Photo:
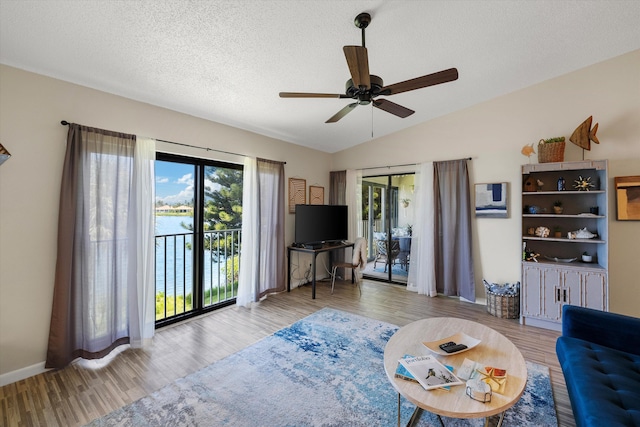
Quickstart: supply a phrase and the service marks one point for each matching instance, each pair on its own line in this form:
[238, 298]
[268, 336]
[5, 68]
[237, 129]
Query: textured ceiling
[226, 61]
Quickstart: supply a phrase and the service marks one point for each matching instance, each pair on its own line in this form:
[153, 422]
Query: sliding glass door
[387, 218]
[198, 222]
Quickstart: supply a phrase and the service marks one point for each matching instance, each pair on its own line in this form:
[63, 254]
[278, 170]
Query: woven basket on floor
[504, 306]
[550, 152]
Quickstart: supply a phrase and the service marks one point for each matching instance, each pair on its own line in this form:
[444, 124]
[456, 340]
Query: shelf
[576, 263]
[555, 193]
[549, 215]
[563, 239]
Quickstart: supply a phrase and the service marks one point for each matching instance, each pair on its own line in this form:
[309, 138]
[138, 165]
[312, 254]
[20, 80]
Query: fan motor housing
[364, 96]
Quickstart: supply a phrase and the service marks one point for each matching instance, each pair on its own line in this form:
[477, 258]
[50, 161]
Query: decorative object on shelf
[594, 210]
[628, 197]
[532, 256]
[586, 257]
[557, 232]
[491, 200]
[557, 207]
[297, 193]
[531, 231]
[543, 231]
[583, 233]
[405, 202]
[539, 185]
[556, 259]
[561, 184]
[528, 150]
[529, 185]
[583, 135]
[4, 154]
[551, 150]
[316, 195]
[583, 184]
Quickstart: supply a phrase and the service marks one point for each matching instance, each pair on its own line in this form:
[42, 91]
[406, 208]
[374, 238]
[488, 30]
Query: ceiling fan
[364, 87]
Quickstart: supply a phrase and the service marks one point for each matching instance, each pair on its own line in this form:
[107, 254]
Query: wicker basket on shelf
[549, 152]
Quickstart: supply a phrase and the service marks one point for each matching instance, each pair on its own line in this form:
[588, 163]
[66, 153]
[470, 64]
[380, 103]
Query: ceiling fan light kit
[364, 87]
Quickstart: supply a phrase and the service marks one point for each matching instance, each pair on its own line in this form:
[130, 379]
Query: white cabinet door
[571, 287]
[552, 294]
[595, 290]
[531, 291]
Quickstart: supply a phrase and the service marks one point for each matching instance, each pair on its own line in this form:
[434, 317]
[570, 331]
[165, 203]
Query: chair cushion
[603, 383]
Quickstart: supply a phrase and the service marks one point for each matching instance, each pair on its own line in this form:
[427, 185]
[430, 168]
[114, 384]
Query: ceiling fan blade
[310, 95]
[393, 108]
[443, 76]
[358, 62]
[340, 114]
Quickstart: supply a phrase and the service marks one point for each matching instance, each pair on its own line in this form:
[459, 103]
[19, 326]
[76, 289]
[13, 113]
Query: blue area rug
[324, 370]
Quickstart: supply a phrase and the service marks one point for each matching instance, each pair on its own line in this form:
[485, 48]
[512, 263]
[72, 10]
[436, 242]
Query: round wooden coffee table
[494, 350]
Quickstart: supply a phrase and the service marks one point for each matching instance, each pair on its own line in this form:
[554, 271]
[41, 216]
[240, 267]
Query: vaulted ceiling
[226, 61]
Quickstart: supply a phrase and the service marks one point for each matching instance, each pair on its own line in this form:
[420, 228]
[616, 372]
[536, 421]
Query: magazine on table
[429, 372]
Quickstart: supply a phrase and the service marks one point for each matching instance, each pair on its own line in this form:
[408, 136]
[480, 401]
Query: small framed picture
[297, 193]
[628, 197]
[491, 200]
[316, 195]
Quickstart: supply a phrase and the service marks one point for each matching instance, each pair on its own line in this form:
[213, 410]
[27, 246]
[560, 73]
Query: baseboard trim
[21, 374]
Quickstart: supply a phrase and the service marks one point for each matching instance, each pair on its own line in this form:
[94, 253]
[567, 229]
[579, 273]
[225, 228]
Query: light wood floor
[84, 391]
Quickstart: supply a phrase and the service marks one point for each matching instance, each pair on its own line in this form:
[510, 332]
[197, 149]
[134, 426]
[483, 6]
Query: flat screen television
[316, 224]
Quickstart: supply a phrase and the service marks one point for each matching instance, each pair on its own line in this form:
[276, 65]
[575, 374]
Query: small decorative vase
[587, 258]
[558, 209]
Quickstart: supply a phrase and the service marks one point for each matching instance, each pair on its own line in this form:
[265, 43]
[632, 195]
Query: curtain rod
[66, 123]
[406, 164]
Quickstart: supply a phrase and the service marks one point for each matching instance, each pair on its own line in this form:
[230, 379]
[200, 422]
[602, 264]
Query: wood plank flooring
[87, 390]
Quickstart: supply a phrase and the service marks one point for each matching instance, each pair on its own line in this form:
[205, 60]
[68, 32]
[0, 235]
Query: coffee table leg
[498, 424]
[415, 417]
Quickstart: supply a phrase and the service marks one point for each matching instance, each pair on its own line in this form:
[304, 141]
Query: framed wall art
[297, 193]
[628, 197]
[491, 200]
[316, 195]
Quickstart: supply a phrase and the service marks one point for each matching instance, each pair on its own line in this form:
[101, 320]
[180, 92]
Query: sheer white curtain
[262, 262]
[101, 300]
[142, 301]
[353, 197]
[422, 276]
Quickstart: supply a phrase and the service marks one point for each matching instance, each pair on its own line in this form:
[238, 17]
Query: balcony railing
[175, 281]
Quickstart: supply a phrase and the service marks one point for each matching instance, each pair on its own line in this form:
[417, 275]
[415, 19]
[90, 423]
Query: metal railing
[175, 280]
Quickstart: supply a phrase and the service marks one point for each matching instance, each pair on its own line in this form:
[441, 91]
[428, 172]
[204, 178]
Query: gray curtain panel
[272, 212]
[89, 315]
[453, 246]
[338, 188]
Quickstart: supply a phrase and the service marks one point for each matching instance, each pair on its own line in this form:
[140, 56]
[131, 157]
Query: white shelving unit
[554, 280]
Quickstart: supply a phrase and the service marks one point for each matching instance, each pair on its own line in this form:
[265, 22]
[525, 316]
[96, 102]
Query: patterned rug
[324, 370]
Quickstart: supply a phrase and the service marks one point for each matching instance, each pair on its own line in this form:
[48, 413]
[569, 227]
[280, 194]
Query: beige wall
[493, 134]
[31, 107]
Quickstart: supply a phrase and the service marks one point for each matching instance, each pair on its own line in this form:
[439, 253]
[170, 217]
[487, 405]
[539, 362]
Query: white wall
[494, 132]
[31, 108]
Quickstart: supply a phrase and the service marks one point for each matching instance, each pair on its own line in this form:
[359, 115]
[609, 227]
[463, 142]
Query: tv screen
[321, 223]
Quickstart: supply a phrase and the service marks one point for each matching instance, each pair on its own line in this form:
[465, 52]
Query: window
[198, 235]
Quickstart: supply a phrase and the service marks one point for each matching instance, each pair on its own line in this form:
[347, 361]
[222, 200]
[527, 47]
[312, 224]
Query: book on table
[429, 372]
